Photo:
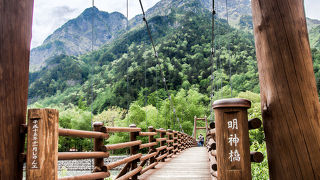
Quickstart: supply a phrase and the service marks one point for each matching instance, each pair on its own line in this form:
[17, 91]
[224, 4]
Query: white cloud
[312, 8]
[50, 15]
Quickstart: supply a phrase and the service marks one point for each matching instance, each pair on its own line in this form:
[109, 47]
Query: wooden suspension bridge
[171, 154]
[289, 104]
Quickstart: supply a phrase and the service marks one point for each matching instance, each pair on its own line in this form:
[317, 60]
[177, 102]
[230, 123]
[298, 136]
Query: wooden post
[152, 149]
[289, 99]
[175, 142]
[134, 150]
[42, 148]
[232, 135]
[179, 142]
[15, 38]
[98, 143]
[206, 121]
[162, 143]
[195, 127]
[169, 144]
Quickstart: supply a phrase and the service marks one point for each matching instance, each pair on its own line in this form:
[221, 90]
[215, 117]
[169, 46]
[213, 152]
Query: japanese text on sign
[35, 144]
[233, 140]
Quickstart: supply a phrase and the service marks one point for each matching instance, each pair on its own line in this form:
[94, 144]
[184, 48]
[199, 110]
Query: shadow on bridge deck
[192, 163]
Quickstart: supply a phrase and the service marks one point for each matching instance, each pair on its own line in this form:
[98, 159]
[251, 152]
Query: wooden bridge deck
[192, 163]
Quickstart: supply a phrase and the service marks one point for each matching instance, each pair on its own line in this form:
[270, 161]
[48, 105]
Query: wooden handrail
[123, 161]
[147, 133]
[122, 129]
[121, 145]
[84, 134]
[81, 155]
[148, 145]
[171, 142]
[130, 174]
[96, 175]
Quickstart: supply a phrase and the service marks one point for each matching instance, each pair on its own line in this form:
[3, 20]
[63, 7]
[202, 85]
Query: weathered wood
[124, 170]
[232, 138]
[148, 145]
[81, 155]
[98, 144]
[96, 175]
[131, 174]
[149, 167]
[289, 99]
[191, 164]
[15, 38]
[133, 151]
[147, 133]
[81, 133]
[162, 143]
[121, 145]
[254, 123]
[256, 157]
[123, 161]
[122, 129]
[152, 149]
[152, 155]
[42, 147]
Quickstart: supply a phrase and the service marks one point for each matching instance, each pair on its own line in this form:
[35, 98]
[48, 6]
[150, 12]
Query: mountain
[75, 36]
[182, 37]
[236, 9]
[124, 70]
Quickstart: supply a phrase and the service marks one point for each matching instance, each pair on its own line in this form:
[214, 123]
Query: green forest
[121, 83]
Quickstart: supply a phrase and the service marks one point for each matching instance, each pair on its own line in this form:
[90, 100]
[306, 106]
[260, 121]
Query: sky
[52, 14]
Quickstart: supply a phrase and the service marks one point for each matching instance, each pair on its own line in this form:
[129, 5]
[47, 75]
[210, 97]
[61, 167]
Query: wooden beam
[289, 98]
[15, 38]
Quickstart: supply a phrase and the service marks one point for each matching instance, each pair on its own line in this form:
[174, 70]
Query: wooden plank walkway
[192, 163]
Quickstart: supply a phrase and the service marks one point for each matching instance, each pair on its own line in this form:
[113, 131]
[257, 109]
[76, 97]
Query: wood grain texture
[289, 99]
[233, 157]
[191, 164]
[15, 38]
[42, 163]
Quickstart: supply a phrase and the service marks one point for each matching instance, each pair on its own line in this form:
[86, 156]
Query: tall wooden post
[162, 143]
[42, 149]
[15, 38]
[195, 127]
[232, 135]
[98, 143]
[152, 148]
[134, 150]
[289, 99]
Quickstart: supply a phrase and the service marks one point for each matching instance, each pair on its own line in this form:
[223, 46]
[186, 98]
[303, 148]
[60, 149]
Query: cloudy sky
[50, 15]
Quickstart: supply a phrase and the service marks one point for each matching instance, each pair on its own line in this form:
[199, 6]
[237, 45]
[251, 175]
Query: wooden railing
[42, 151]
[227, 140]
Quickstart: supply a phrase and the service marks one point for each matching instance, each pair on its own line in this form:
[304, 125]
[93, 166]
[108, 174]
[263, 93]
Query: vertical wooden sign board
[232, 136]
[42, 147]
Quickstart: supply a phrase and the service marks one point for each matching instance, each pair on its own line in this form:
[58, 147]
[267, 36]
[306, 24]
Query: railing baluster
[134, 150]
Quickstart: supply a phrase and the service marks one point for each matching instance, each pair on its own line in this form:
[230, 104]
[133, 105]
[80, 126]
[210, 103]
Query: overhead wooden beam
[289, 98]
[15, 38]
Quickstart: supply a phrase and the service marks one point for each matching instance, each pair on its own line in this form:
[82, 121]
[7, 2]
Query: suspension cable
[127, 63]
[158, 61]
[212, 60]
[91, 86]
[228, 50]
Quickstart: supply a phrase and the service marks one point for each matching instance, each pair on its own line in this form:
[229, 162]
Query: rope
[157, 58]
[228, 50]
[91, 86]
[212, 61]
[127, 63]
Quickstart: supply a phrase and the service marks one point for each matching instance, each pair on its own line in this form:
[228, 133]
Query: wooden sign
[232, 136]
[42, 147]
